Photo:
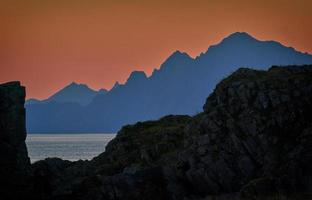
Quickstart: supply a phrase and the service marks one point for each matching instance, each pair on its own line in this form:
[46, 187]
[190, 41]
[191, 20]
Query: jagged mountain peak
[236, 39]
[77, 85]
[178, 55]
[73, 83]
[136, 76]
[102, 91]
[74, 93]
[240, 36]
[117, 84]
[176, 87]
[176, 58]
[242, 49]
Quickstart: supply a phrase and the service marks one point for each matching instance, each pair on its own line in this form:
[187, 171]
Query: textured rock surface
[256, 125]
[252, 141]
[14, 162]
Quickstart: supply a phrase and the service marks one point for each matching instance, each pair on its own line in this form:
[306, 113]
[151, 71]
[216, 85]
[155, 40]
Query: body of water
[66, 146]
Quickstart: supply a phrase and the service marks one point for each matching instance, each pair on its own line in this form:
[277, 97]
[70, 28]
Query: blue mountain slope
[180, 86]
[72, 93]
[32, 101]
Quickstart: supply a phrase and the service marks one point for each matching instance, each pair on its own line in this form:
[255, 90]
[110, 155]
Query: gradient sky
[46, 44]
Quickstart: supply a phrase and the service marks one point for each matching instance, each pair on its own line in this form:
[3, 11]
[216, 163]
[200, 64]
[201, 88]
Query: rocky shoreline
[252, 141]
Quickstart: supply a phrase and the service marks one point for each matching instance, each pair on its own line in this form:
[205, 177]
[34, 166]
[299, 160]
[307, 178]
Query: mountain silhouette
[72, 93]
[179, 86]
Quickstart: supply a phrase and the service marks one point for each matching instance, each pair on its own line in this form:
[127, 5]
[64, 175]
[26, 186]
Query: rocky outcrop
[130, 168]
[252, 141]
[14, 162]
[255, 131]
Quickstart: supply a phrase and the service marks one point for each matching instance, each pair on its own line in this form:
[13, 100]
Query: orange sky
[48, 44]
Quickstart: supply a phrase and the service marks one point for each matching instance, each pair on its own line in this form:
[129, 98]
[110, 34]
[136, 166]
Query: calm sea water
[66, 146]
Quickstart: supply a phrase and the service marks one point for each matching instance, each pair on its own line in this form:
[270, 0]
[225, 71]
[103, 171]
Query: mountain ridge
[71, 93]
[179, 85]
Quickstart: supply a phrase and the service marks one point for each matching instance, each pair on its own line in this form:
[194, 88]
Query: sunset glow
[48, 45]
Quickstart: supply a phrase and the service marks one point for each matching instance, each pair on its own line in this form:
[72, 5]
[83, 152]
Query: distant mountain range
[179, 86]
[72, 93]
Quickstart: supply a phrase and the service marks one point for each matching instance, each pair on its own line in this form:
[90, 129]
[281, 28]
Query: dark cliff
[252, 141]
[14, 162]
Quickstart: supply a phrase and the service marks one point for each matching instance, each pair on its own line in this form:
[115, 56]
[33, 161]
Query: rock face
[252, 141]
[14, 162]
[255, 129]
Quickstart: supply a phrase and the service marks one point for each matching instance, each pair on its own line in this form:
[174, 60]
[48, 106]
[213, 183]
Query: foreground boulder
[14, 161]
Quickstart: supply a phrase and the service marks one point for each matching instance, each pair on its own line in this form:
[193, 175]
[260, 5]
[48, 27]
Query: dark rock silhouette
[14, 163]
[252, 141]
[179, 86]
